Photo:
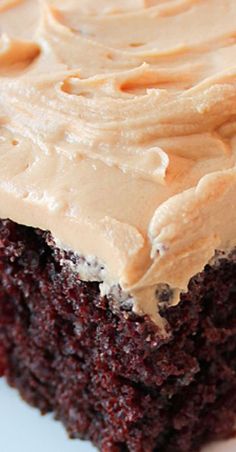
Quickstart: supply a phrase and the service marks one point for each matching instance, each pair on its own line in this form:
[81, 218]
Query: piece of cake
[118, 217]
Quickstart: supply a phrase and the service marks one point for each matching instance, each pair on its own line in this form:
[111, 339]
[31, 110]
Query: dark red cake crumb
[106, 373]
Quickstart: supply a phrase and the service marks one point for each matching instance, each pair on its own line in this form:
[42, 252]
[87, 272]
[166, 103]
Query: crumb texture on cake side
[107, 374]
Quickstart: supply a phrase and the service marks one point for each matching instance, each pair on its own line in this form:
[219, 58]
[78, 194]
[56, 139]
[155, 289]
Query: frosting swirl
[118, 132]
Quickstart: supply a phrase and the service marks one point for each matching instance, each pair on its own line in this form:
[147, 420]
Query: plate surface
[22, 429]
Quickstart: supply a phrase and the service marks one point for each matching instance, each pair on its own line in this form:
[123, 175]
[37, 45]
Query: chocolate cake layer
[104, 371]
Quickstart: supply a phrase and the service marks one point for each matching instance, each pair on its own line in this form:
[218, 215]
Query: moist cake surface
[106, 372]
[118, 134]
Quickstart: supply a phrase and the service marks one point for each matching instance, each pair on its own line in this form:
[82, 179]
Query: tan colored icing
[118, 132]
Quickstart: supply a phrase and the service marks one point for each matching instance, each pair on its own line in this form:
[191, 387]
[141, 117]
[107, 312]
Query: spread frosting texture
[118, 133]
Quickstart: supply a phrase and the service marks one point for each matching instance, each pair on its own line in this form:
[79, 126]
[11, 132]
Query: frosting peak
[118, 132]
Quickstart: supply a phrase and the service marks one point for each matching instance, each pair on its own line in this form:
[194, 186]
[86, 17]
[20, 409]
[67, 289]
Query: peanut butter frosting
[118, 134]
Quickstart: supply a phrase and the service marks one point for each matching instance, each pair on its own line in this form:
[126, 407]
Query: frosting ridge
[118, 133]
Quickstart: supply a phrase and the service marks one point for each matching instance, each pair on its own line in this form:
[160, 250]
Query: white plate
[23, 429]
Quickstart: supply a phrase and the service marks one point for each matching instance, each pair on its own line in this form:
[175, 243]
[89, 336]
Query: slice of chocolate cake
[118, 217]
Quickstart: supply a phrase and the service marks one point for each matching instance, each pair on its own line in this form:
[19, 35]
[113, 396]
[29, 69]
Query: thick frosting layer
[118, 133]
